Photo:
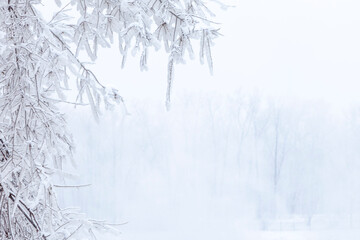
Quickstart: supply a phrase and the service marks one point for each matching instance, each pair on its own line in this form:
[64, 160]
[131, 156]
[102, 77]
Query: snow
[225, 162]
[202, 171]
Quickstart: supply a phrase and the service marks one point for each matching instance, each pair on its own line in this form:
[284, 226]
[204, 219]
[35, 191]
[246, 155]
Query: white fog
[266, 148]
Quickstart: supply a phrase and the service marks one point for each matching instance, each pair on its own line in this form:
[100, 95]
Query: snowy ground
[212, 234]
[296, 228]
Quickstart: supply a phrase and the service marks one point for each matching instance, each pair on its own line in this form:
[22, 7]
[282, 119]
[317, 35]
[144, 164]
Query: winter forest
[181, 120]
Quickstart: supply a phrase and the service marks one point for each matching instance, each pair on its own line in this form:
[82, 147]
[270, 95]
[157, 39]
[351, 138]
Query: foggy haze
[267, 148]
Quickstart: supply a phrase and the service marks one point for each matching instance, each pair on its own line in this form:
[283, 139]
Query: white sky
[308, 49]
[303, 49]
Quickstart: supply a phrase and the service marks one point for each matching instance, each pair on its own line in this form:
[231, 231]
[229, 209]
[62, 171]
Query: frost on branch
[39, 62]
[141, 24]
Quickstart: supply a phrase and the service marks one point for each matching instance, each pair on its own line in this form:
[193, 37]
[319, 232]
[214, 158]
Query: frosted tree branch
[39, 64]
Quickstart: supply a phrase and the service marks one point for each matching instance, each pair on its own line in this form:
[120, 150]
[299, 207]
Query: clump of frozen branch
[37, 61]
[139, 25]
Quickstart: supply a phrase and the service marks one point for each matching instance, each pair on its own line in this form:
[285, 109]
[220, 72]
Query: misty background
[267, 148]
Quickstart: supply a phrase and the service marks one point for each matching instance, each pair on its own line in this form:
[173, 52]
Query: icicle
[202, 43]
[92, 104]
[208, 56]
[124, 57]
[143, 60]
[169, 83]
